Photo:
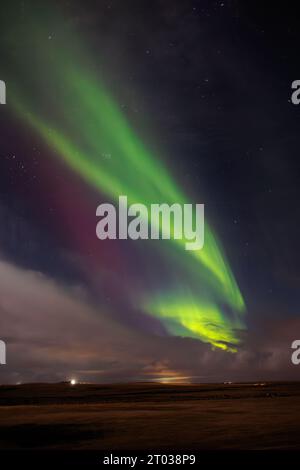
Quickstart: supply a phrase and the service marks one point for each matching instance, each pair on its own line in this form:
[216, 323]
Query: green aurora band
[82, 124]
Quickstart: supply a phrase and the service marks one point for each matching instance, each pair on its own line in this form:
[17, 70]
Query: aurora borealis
[99, 107]
[86, 124]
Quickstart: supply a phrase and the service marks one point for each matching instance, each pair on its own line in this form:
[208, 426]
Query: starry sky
[165, 101]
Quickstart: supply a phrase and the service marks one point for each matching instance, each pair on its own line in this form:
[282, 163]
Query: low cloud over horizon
[56, 332]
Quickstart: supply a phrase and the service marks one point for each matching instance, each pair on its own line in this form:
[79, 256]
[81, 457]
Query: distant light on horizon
[174, 380]
[73, 382]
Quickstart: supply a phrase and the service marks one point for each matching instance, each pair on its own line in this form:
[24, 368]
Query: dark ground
[145, 416]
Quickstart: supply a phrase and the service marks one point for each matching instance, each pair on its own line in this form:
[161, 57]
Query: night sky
[160, 98]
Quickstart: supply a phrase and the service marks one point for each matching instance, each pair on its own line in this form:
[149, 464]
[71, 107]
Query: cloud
[54, 332]
[51, 330]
